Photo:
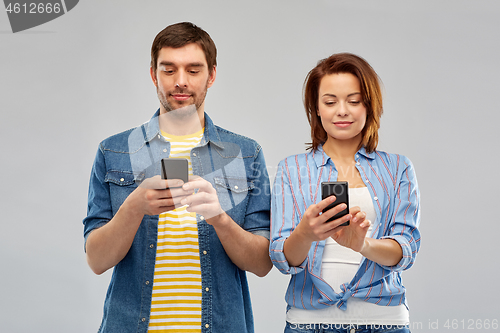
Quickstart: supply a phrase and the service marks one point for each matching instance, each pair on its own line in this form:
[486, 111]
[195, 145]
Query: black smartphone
[341, 192]
[174, 168]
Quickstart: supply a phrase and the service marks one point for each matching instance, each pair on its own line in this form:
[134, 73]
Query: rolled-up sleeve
[99, 210]
[257, 212]
[404, 227]
[284, 219]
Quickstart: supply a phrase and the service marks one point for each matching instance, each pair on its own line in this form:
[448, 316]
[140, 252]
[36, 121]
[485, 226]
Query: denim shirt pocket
[121, 178]
[121, 184]
[233, 195]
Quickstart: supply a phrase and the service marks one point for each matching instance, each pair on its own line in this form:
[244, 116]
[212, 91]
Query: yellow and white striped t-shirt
[176, 301]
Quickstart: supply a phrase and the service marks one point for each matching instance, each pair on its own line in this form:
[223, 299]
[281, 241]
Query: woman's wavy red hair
[371, 96]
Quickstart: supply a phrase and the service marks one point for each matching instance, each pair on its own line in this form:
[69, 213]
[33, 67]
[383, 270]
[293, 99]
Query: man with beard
[179, 250]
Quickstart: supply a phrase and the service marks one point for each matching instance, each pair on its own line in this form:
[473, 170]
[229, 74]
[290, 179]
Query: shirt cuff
[279, 260]
[88, 232]
[263, 233]
[407, 253]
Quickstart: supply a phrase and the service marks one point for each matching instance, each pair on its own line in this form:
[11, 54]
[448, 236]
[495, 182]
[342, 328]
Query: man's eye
[194, 72]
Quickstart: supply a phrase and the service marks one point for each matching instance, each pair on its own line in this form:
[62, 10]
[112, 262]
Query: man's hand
[247, 251]
[109, 244]
[204, 201]
[155, 196]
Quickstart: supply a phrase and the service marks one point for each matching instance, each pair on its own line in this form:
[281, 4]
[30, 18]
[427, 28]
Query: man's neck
[183, 121]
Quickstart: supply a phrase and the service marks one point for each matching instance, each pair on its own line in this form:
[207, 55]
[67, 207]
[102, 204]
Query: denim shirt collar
[321, 158]
[210, 134]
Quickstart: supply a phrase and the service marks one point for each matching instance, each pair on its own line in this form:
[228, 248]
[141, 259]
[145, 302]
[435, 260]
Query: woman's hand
[385, 252]
[353, 236]
[314, 225]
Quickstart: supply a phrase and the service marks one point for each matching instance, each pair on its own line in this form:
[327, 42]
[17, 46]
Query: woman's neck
[341, 150]
[342, 155]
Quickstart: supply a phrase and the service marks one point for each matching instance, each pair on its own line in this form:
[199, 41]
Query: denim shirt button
[353, 330]
[204, 252]
[122, 179]
[143, 319]
[235, 187]
[147, 283]
[207, 326]
[207, 289]
[165, 150]
[151, 246]
[201, 218]
[194, 154]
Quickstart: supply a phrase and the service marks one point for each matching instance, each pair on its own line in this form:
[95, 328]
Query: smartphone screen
[174, 168]
[341, 192]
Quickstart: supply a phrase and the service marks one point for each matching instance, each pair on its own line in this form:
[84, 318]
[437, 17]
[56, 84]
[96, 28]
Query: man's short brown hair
[180, 34]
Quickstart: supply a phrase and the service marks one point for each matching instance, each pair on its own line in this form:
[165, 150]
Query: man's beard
[189, 109]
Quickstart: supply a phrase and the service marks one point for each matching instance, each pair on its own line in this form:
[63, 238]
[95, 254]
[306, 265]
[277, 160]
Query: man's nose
[181, 80]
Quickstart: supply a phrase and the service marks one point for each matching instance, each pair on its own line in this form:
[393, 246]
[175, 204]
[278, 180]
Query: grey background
[70, 83]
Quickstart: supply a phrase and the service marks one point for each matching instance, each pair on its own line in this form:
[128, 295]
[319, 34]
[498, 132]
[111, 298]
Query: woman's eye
[354, 102]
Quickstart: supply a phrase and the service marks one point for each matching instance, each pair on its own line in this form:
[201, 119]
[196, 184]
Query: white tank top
[339, 265]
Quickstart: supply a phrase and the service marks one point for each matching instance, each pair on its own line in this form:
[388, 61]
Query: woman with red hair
[345, 278]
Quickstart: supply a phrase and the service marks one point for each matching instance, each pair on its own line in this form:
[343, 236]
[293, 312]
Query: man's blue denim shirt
[236, 168]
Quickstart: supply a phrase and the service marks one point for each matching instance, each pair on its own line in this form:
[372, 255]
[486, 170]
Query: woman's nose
[342, 111]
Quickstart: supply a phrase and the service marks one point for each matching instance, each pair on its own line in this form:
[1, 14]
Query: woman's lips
[342, 123]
